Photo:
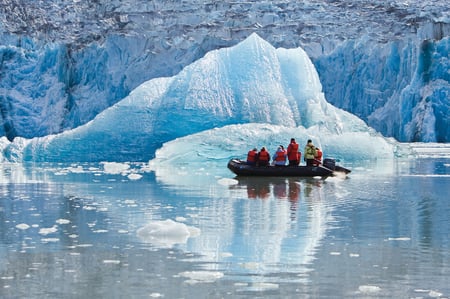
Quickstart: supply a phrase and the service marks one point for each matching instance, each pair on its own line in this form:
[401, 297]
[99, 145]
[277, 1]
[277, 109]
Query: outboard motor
[329, 163]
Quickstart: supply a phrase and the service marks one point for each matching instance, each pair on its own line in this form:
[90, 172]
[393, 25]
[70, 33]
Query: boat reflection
[280, 188]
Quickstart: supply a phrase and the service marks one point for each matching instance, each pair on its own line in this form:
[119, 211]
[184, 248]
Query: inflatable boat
[328, 168]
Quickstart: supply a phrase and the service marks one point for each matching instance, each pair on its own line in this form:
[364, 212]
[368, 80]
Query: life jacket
[251, 156]
[280, 155]
[264, 156]
[319, 154]
[292, 152]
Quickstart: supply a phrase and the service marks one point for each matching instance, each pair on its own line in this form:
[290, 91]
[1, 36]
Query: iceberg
[252, 82]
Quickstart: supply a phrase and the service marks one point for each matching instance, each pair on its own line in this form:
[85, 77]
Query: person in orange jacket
[279, 158]
[263, 157]
[318, 157]
[292, 153]
[252, 156]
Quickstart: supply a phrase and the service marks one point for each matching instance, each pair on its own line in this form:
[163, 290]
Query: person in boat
[318, 157]
[293, 154]
[310, 153]
[263, 157]
[252, 156]
[280, 156]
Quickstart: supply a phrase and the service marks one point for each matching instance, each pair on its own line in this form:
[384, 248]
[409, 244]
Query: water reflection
[80, 228]
[279, 188]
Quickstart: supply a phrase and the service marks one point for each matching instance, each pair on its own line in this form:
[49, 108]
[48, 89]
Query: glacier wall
[63, 63]
[402, 89]
[250, 83]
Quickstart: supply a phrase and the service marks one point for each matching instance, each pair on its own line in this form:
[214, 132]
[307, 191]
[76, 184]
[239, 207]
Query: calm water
[79, 232]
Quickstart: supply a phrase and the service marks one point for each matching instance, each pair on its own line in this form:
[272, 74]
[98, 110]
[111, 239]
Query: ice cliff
[252, 83]
[62, 63]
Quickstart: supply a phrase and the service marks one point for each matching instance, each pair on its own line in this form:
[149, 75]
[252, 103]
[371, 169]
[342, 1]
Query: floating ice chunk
[22, 226]
[63, 221]
[250, 265]
[115, 168]
[201, 276]
[49, 240]
[260, 286]
[166, 233]
[400, 239]
[116, 262]
[76, 169]
[134, 176]
[369, 289]
[435, 294]
[48, 230]
[227, 182]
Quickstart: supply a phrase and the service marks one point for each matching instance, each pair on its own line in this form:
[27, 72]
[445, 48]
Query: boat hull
[241, 168]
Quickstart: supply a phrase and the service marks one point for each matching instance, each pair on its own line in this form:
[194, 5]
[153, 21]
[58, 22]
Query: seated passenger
[293, 154]
[318, 157]
[252, 156]
[263, 157]
[280, 156]
[310, 153]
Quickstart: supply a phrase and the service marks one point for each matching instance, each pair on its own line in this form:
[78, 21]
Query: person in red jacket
[279, 158]
[292, 153]
[252, 156]
[318, 157]
[263, 157]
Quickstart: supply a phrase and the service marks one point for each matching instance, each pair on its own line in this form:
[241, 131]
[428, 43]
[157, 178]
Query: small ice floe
[435, 294]
[227, 182]
[250, 265]
[130, 203]
[134, 176]
[166, 233]
[76, 169]
[115, 262]
[201, 276]
[335, 253]
[399, 239]
[114, 167]
[62, 221]
[49, 240]
[22, 226]
[431, 293]
[263, 286]
[48, 230]
[369, 289]
[225, 254]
